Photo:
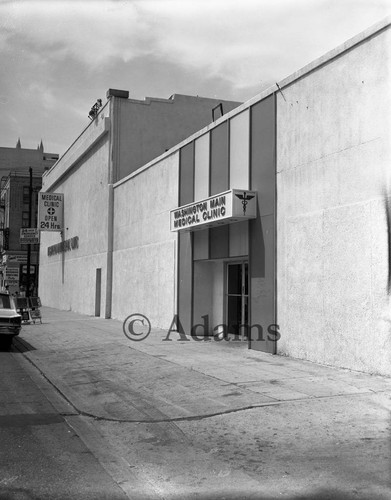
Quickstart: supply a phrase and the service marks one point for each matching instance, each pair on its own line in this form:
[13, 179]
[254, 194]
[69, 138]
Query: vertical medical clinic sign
[51, 211]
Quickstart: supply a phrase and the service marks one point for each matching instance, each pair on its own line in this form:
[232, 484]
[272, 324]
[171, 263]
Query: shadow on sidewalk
[18, 345]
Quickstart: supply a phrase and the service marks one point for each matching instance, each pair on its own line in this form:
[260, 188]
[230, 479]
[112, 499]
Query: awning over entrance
[230, 206]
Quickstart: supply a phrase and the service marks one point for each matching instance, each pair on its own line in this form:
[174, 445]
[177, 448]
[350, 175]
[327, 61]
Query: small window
[25, 219]
[26, 195]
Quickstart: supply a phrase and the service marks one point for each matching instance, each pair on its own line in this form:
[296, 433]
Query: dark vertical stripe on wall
[201, 244]
[186, 174]
[219, 167]
[219, 242]
[263, 169]
[228, 153]
[185, 281]
[219, 182]
[262, 249]
[185, 258]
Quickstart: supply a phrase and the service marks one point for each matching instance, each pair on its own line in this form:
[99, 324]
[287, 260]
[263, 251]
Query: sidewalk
[278, 425]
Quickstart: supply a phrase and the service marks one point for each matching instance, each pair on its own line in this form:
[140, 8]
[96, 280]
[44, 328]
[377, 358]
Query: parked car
[10, 319]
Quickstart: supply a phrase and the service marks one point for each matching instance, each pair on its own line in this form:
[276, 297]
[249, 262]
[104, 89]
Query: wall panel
[201, 244]
[185, 280]
[219, 173]
[219, 242]
[186, 174]
[262, 229]
[185, 257]
[201, 167]
[239, 147]
[238, 239]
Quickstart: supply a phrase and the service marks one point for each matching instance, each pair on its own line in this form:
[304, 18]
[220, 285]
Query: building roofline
[74, 142]
[146, 101]
[30, 150]
[289, 80]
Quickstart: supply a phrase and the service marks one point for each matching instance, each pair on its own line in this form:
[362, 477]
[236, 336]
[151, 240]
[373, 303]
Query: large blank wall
[333, 176]
[144, 259]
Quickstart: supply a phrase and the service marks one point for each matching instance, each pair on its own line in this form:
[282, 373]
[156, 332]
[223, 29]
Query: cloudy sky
[58, 56]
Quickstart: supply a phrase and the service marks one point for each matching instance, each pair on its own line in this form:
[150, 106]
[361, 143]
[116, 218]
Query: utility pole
[29, 246]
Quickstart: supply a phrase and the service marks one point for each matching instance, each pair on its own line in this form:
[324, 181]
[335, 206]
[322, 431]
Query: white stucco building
[310, 263]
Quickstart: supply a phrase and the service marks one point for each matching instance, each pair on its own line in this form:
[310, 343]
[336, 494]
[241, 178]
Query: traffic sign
[29, 236]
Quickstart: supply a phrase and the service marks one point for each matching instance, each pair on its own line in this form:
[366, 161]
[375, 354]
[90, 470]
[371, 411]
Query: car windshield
[5, 302]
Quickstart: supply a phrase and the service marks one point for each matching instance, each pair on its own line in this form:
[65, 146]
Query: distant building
[19, 160]
[14, 212]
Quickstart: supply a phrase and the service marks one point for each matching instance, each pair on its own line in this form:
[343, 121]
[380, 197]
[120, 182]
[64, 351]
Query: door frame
[242, 262]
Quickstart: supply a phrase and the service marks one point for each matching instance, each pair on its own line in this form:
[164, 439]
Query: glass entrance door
[237, 298]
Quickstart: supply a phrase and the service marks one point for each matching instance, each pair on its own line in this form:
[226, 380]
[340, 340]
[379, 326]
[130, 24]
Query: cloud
[251, 40]
[59, 55]
[91, 31]
[44, 94]
[245, 41]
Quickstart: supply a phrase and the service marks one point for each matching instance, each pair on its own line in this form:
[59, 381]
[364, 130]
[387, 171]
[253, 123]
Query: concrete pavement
[187, 419]
[40, 455]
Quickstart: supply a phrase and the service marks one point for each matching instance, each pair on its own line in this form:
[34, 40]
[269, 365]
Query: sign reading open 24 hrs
[50, 211]
[223, 208]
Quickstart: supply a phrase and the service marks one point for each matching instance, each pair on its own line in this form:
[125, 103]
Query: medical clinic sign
[51, 211]
[230, 206]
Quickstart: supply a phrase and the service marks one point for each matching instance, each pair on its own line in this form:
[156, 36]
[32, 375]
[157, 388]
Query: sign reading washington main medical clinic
[234, 205]
[50, 211]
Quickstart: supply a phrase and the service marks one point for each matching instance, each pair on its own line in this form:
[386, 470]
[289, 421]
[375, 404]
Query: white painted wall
[144, 258]
[85, 215]
[201, 167]
[239, 147]
[333, 167]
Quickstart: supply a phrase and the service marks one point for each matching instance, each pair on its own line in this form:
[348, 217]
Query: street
[86, 413]
[41, 456]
